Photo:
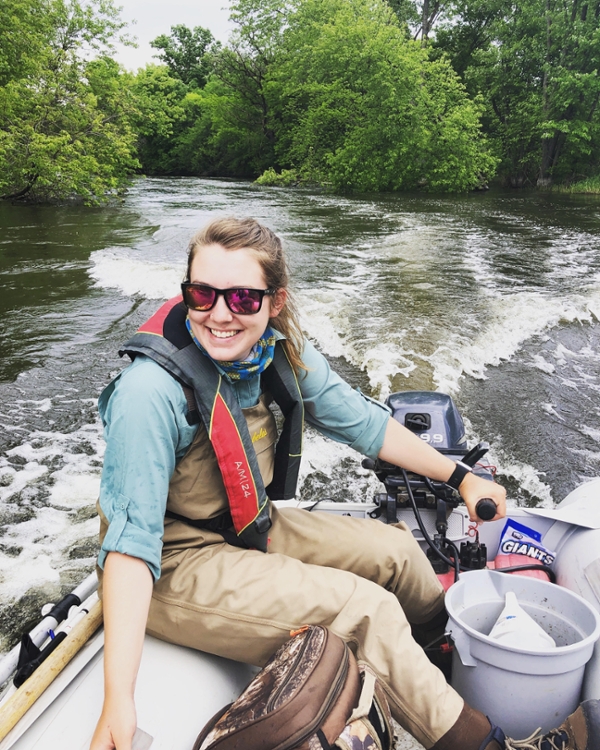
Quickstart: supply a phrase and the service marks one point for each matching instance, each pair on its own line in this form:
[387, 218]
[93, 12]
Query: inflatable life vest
[165, 339]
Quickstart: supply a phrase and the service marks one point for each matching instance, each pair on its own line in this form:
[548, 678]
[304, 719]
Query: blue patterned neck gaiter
[259, 359]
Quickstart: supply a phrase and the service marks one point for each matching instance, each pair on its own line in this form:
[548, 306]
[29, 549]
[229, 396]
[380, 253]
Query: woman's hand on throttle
[474, 488]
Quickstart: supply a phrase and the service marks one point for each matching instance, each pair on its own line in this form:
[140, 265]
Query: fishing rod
[58, 613]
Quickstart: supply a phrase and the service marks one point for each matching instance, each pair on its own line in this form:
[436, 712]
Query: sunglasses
[240, 301]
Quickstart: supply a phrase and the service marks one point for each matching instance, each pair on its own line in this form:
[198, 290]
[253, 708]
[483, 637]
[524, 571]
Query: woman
[190, 436]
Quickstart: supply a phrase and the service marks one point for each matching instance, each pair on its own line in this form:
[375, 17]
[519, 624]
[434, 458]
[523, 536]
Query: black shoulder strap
[281, 381]
[192, 415]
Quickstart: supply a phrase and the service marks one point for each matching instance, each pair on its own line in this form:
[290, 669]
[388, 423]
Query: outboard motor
[434, 418]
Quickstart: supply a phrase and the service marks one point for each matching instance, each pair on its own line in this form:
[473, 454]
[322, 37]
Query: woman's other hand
[116, 726]
[126, 600]
[402, 447]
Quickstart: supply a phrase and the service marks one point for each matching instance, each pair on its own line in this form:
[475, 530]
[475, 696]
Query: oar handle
[486, 509]
[21, 701]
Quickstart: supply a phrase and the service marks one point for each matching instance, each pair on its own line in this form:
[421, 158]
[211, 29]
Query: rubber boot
[474, 731]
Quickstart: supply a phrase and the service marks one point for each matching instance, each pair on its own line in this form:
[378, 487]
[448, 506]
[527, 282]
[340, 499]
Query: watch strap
[459, 473]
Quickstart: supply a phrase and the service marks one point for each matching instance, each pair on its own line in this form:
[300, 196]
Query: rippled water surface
[493, 298]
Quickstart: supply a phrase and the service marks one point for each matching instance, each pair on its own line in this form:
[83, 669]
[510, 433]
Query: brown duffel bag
[311, 695]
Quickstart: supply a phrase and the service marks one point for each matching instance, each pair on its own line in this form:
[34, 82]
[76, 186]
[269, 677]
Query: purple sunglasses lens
[243, 301]
[200, 298]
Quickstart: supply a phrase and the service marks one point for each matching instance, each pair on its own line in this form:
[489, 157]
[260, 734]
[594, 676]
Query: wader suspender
[165, 339]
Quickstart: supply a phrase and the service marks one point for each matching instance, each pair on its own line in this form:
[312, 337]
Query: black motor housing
[435, 419]
[432, 416]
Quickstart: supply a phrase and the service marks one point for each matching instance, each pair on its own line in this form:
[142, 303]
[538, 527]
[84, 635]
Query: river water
[491, 297]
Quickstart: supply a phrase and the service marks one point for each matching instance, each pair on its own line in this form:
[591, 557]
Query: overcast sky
[156, 17]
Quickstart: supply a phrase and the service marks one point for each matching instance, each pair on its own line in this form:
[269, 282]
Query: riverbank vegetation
[591, 186]
[66, 125]
[369, 95]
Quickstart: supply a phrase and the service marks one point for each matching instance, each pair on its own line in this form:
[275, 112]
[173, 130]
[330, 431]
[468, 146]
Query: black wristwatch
[459, 473]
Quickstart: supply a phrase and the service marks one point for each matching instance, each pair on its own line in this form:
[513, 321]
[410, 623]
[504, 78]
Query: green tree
[537, 66]
[24, 27]
[419, 17]
[158, 118]
[241, 111]
[363, 108]
[187, 53]
[214, 140]
[405, 11]
[64, 118]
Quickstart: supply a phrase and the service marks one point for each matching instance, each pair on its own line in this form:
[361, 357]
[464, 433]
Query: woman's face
[228, 337]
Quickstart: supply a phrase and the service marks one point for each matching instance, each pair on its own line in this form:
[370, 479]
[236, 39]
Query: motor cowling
[432, 416]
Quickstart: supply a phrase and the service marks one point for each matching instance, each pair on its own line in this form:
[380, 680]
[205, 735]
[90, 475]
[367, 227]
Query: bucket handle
[462, 645]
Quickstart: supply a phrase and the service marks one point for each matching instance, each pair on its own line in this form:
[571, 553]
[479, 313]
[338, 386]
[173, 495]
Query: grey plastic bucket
[519, 690]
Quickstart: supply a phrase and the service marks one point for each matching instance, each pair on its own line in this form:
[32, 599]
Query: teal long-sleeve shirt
[146, 431]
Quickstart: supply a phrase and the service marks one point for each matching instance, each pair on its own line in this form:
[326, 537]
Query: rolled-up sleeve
[142, 413]
[337, 410]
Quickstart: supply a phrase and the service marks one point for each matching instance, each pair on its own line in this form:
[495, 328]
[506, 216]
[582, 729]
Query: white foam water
[383, 362]
[65, 467]
[335, 469]
[513, 320]
[326, 321]
[529, 479]
[551, 410]
[135, 277]
[542, 364]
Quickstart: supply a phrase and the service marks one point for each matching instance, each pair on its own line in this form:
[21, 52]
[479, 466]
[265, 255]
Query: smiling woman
[233, 255]
[194, 457]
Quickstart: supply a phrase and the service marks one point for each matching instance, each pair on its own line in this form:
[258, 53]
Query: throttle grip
[486, 509]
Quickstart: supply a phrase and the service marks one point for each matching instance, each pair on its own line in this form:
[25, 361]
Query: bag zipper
[334, 692]
[275, 696]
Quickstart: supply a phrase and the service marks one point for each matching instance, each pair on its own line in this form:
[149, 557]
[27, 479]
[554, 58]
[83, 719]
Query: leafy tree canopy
[64, 125]
[235, 133]
[354, 94]
[536, 65]
[157, 117]
[24, 27]
[362, 107]
[186, 52]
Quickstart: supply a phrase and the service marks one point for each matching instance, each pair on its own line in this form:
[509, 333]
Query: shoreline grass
[591, 186]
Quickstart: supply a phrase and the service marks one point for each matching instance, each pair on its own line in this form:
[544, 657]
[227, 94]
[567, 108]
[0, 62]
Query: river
[491, 297]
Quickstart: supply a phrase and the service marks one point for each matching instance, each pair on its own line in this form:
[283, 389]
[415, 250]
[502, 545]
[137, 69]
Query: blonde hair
[235, 234]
